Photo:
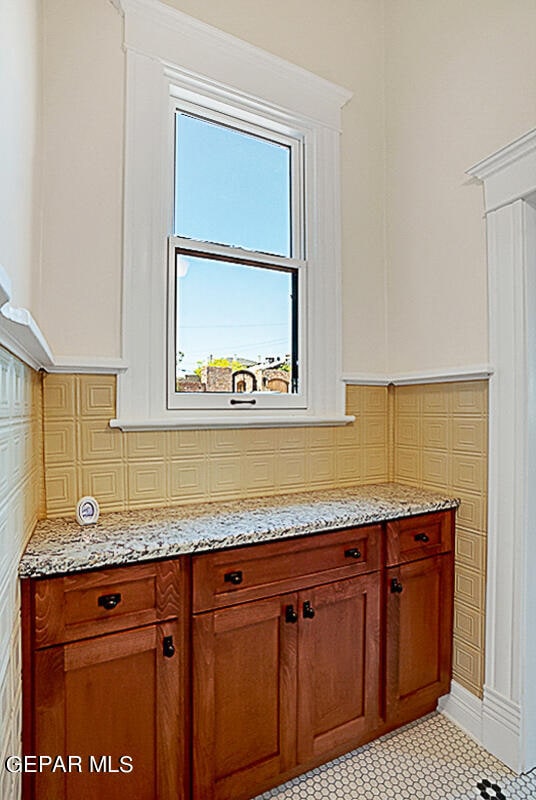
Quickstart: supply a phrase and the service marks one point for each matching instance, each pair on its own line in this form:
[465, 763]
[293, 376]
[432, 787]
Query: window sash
[241, 120]
[258, 126]
[213, 400]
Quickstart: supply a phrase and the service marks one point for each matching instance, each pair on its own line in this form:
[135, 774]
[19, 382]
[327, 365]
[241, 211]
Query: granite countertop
[60, 546]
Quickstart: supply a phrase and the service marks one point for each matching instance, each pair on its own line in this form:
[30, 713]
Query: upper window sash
[261, 126]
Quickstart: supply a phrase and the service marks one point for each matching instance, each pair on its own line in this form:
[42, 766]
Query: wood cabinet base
[222, 675]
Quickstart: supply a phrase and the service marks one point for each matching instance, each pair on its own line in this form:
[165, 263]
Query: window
[236, 268]
[231, 294]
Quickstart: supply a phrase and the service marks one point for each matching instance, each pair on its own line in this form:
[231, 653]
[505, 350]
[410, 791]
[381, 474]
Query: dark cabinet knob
[234, 577]
[291, 615]
[396, 586]
[168, 647]
[308, 610]
[421, 537]
[353, 552]
[109, 601]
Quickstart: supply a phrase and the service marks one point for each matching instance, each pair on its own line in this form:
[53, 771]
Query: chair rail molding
[509, 700]
[22, 336]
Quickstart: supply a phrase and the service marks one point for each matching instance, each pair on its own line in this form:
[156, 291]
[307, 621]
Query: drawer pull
[234, 577]
[421, 537]
[168, 647]
[291, 615]
[353, 552]
[308, 610]
[109, 601]
[396, 586]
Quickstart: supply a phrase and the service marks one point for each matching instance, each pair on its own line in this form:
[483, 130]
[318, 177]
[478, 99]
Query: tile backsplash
[430, 435]
[441, 442]
[83, 455]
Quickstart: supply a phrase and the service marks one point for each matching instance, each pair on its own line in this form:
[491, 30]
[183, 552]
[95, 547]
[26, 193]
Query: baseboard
[464, 709]
[501, 729]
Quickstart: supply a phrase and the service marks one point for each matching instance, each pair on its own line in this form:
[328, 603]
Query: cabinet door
[244, 680]
[113, 696]
[339, 666]
[419, 600]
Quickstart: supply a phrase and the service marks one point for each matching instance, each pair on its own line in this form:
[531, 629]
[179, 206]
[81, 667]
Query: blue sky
[231, 188]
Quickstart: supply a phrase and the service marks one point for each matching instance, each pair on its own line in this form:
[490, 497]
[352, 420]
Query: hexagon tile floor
[431, 759]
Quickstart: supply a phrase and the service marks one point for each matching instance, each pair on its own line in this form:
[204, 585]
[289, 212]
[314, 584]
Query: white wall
[20, 57]
[460, 84]
[437, 86]
[80, 293]
[79, 303]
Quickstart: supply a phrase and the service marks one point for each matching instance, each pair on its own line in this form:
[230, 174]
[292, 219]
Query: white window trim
[170, 54]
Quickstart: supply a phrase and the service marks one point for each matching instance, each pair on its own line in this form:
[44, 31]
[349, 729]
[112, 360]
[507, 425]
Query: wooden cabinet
[244, 695]
[222, 674]
[114, 701]
[285, 682]
[338, 667]
[419, 608]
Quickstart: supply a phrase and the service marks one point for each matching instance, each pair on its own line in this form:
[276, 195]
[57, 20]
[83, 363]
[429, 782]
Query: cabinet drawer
[233, 576]
[413, 538]
[92, 603]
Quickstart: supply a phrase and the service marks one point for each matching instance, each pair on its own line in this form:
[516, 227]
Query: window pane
[231, 187]
[234, 327]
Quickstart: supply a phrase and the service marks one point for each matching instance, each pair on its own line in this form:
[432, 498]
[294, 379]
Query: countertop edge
[38, 563]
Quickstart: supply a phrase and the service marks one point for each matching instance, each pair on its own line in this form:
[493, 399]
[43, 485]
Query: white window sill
[230, 419]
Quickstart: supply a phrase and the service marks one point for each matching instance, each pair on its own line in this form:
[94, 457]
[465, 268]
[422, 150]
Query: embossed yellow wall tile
[258, 440]
[470, 549]
[320, 437]
[61, 489]
[408, 431]
[146, 444]
[259, 473]
[225, 475]
[97, 395]
[472, 511]
[375, 399]
[224, 442]
[469, 586]
[320, 467]
[292, 438]
[182, 443]
[407, 464]
[354, 400]
[435, 467]
[60, 441]
[468, 624]
[99, 442]
[375, 430]
[375, 464]
[435, 398]
[146, 482]
[291, 469]
[468, 473]
[188, 478]
[348, 465]
[435, 433]
[408, 400]
[106, 482]
[467, 666]
[469, 435]
[349, 435]
[59, 396]
[469, 398]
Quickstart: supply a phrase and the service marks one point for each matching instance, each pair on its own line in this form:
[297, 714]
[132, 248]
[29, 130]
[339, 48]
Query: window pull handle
[235, 402]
